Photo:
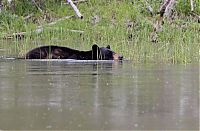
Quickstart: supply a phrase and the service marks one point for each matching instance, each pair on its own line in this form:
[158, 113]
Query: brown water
[98, 95]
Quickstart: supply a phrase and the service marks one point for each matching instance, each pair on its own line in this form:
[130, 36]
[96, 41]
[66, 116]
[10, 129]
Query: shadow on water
[70, 94]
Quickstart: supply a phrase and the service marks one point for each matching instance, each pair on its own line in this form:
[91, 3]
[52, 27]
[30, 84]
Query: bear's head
[104, 53]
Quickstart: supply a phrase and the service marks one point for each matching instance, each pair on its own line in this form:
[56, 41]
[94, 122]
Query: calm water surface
[98, 95]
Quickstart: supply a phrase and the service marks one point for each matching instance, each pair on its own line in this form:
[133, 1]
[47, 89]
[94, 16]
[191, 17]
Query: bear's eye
[108, 55]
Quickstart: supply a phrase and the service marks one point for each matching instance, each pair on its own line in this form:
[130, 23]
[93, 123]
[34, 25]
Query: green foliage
[25, 7]
[183, 6]
[9, 22]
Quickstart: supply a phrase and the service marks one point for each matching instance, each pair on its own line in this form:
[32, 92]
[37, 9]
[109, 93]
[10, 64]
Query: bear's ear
[108, 46]
[94, 47]
[95, 52]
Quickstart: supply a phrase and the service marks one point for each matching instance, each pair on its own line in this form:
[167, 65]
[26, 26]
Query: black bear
[59, 52]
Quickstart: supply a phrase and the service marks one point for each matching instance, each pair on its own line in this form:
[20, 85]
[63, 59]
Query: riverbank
[125, 25]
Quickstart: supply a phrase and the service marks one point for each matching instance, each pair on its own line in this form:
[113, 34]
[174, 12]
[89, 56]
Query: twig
[196, 16]
[167, 7]
[75, 9]
[54, 22]
[79, 1]
[39, 29]
[192, 5]
[19, 35]
[37, 6]
[67, 30]
[28, 16]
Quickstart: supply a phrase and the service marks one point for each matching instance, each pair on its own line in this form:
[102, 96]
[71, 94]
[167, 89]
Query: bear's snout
[117, 57]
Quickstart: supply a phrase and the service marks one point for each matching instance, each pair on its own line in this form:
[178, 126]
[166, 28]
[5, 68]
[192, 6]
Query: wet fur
[59, 52]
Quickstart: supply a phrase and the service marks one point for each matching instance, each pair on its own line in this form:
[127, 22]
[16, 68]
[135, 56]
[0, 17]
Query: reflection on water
[98, 95]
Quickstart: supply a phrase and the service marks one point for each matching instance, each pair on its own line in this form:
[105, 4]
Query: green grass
[178, 42]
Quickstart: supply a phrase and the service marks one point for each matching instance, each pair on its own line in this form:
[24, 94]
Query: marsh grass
[119, 24]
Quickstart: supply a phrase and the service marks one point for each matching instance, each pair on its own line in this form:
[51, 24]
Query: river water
[98, 95]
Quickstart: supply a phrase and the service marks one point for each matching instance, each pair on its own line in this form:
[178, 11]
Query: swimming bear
[60, 52]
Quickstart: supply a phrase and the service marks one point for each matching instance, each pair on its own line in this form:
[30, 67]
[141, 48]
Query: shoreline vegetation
[144, 31]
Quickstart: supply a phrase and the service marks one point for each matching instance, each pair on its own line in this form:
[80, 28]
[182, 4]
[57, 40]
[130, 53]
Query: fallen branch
[33, 1]
[58, 20]
[66, 30]
[75, 9]
[196, 16]
[39, 29]
[192, 5]
[19, 35]
[79, 1]
[28, 16]
[165, 9]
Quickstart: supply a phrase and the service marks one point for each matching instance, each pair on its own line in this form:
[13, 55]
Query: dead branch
[79, 1]
[75, 9]
[196, 16]
[39, 30]
[192, 5]
[33, 1]
[65, 30]
[167, 7]
[58, 20]
[28, 16]
[165, 10]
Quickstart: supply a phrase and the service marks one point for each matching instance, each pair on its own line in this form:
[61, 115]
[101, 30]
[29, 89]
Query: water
[98, 95]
